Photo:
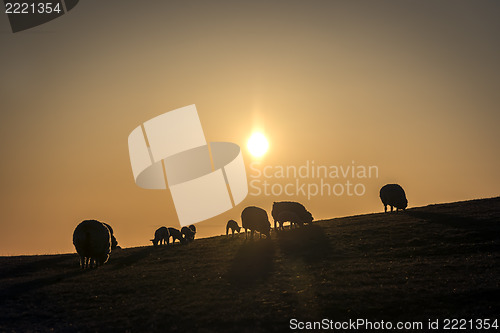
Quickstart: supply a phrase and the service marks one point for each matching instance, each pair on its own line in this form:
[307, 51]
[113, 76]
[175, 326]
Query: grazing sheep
[394, 196]
[188, 234]
[92, 240]
[288, 216]
[161, 236]
[233, 225]
[255, 219]
[302, 214]
[176, 234]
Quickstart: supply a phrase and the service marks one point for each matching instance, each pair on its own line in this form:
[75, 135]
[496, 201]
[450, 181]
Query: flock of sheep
[256, 219]
[184, 236]
[94, 240]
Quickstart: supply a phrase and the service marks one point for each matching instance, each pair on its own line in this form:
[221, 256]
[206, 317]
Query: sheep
[176, 234]
[302, 214]
[193, 228]
[394, 196]
[288, 216]
[162, 236]
[255, 219]
[188, 234]
[233, 225]
[93, 242]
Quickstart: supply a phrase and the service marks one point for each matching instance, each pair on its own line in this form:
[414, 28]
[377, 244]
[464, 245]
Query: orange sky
[408, 87]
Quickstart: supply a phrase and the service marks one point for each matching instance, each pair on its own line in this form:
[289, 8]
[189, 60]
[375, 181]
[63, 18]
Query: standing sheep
[255, 219]
[394, 196]
[161, 236]
[302, 214]
[92, 240]
[233, 225]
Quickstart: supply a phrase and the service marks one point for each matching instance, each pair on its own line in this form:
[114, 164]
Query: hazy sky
[411, 87]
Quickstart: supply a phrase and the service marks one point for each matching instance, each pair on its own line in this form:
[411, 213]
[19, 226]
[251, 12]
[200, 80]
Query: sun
[257, 144]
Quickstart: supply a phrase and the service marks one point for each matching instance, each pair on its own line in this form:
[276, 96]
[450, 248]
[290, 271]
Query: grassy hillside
[434, 262]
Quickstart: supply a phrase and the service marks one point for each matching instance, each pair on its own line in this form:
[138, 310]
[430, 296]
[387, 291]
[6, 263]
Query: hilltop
[433, 262]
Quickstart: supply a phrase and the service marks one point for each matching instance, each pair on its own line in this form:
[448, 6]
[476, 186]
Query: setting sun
[257, 144]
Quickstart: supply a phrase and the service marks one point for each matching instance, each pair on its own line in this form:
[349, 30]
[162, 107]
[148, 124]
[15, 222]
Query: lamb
[233, 225]
[162, 236]
[302, 214]
[93, 243]
[394, 196]
[188, 234]
[255, 219]
[176, 234]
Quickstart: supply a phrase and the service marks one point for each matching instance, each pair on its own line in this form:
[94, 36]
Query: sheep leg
[385, 208]
[391, 208]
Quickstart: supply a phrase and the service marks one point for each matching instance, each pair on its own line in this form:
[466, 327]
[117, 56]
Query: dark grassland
[439, 261]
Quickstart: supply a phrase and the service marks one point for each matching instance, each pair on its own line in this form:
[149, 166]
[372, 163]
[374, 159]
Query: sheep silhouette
[233, 225]
[93, 241]
[394, 196]
[188, 234]
[175, 234]
[288, 216]
[162, 236]
[300, 214]
[255, 219]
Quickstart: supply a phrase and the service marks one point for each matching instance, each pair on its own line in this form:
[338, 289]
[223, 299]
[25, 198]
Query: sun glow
[257, 144]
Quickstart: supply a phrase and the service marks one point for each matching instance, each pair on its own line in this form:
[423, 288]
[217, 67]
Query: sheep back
[92, 240]
[255, 218]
